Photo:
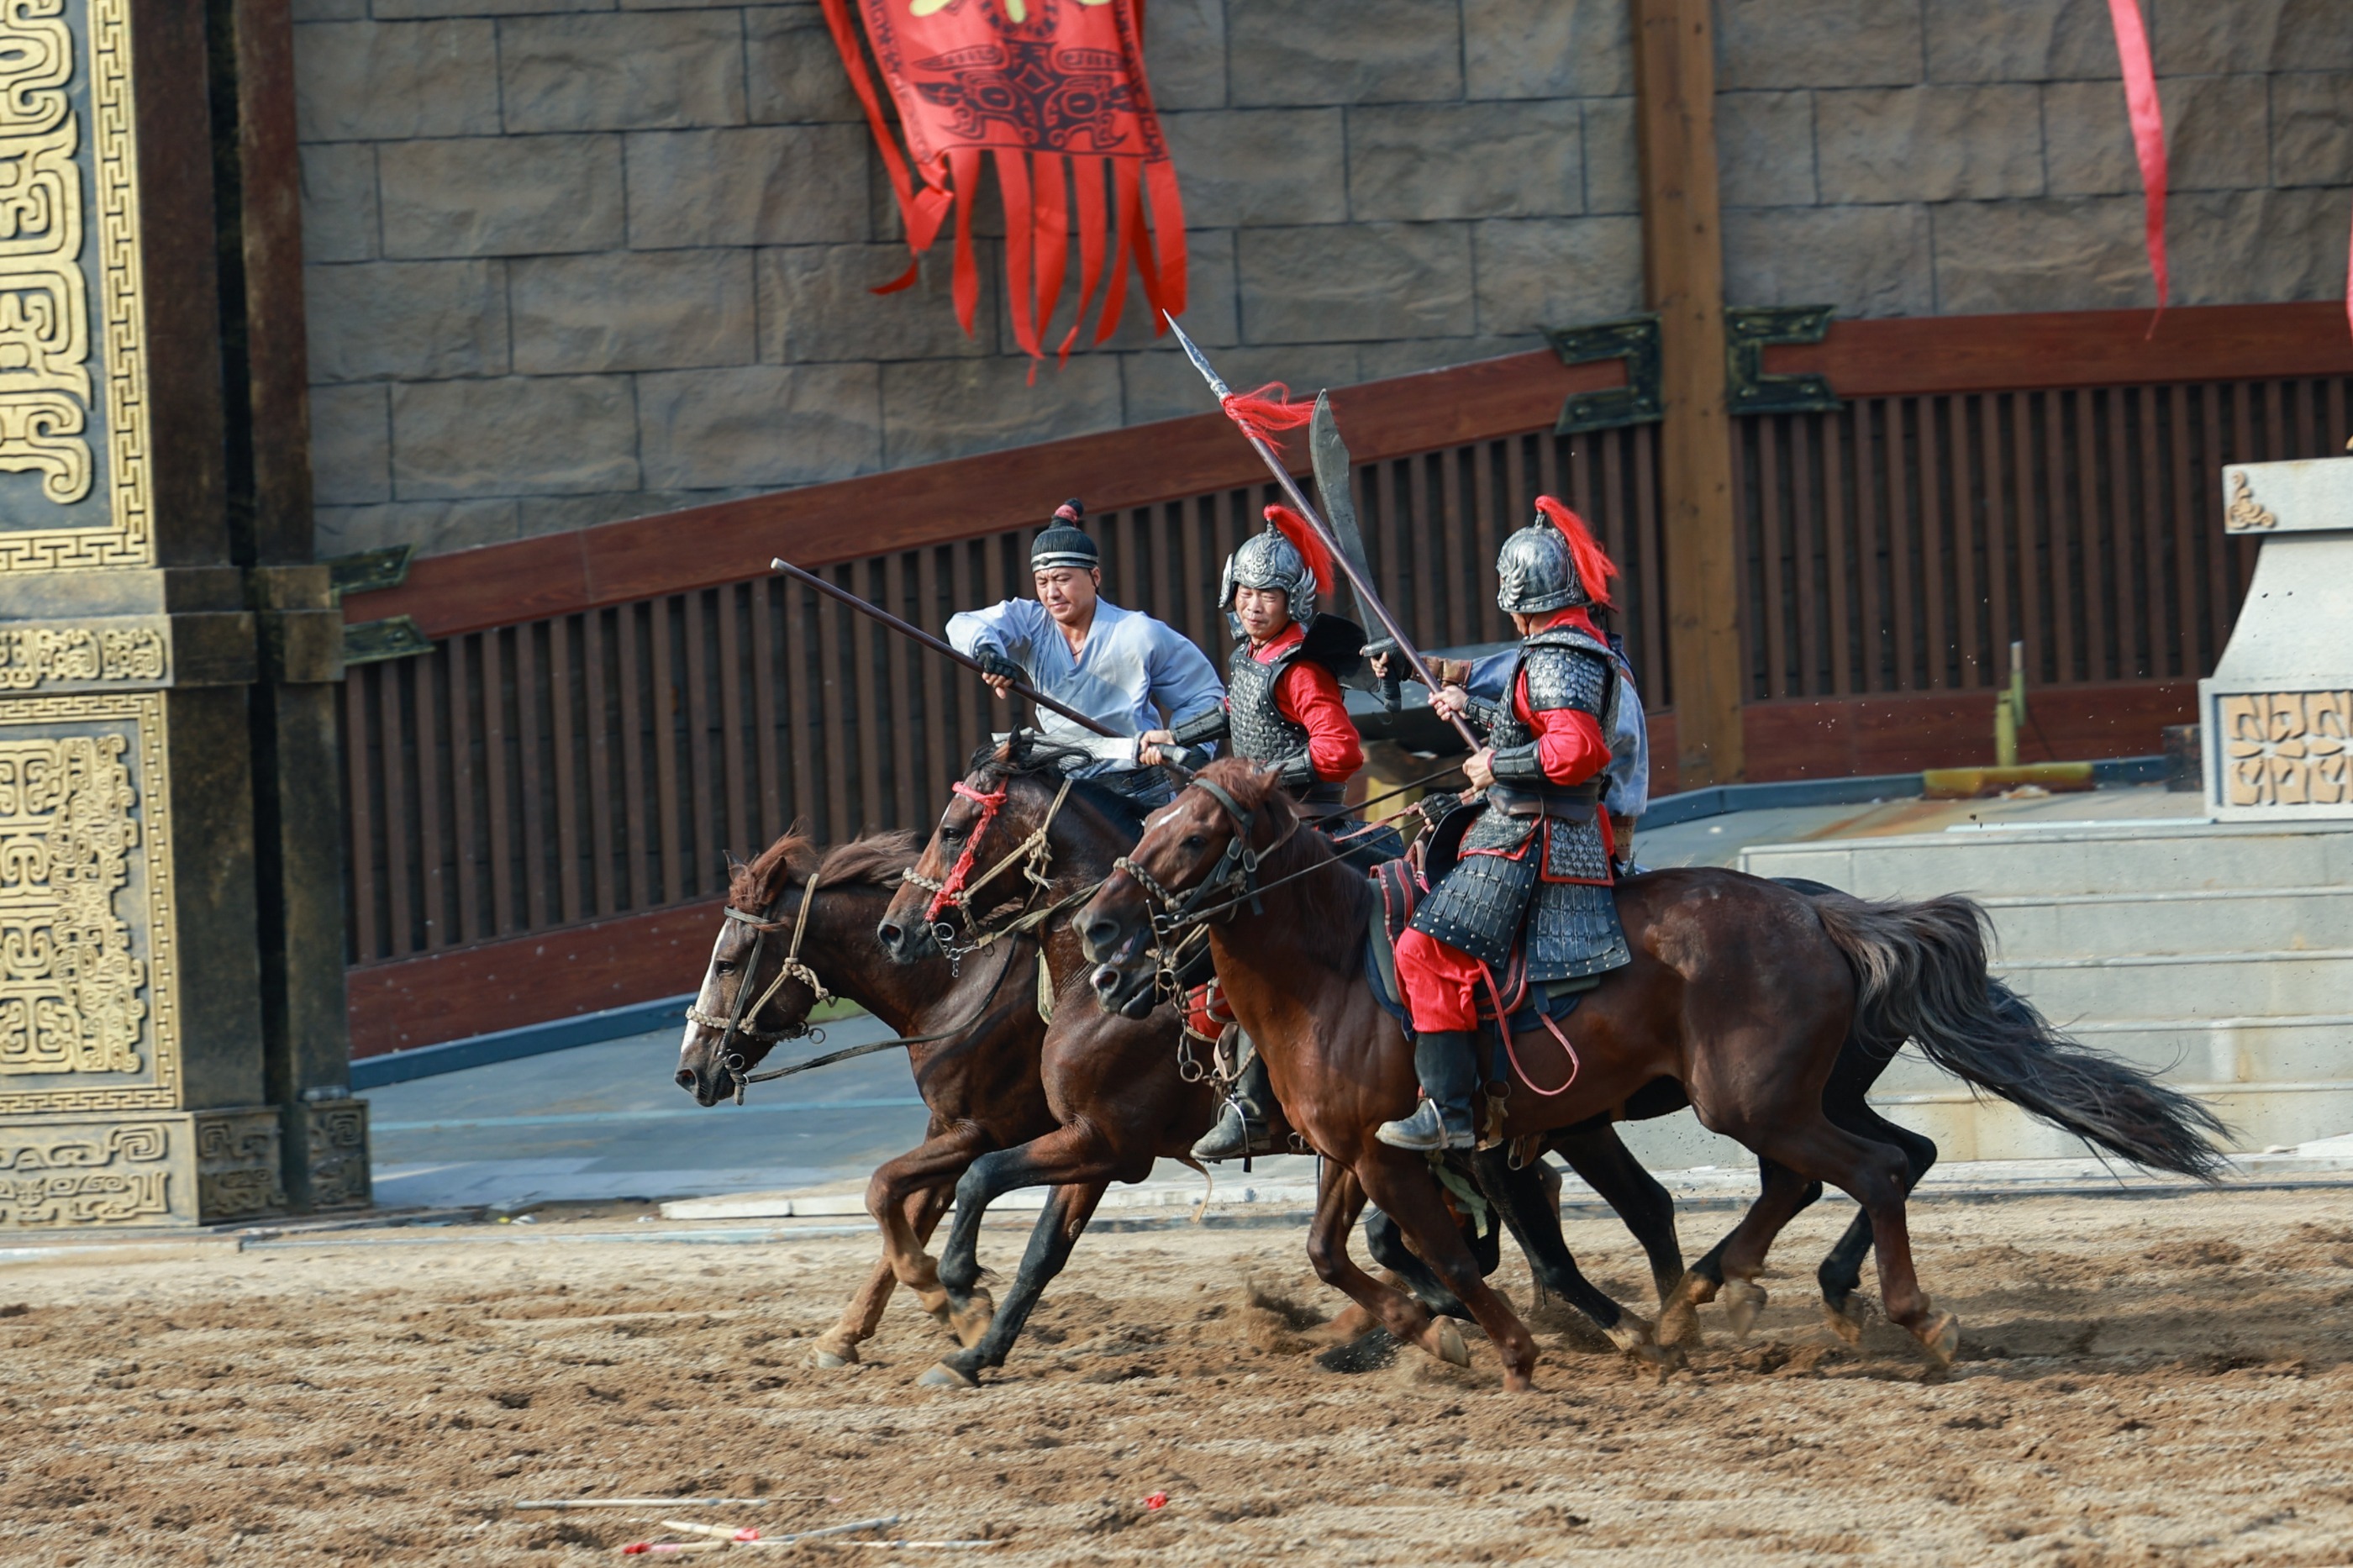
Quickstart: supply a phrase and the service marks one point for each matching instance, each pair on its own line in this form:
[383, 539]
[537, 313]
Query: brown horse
[980, 1083]
[1741, 991]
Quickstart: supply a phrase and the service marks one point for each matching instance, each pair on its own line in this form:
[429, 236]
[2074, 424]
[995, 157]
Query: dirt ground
[2145, 1381]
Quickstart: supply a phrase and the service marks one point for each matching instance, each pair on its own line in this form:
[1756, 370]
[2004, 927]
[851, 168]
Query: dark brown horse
[1741, 991]
[980, 1083]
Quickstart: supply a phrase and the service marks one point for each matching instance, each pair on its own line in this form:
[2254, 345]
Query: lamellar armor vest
[1534, 856]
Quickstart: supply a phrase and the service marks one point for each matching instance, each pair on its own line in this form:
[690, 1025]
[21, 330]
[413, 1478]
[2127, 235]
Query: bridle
[1034, 855]
[738, 1024]
[1233, 879]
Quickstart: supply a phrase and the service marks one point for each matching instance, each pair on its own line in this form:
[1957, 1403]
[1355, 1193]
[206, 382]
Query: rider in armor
[1284, 711]
[1533, 860]
[1125, 669]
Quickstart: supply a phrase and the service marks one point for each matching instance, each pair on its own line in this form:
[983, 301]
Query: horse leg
[1068, 1208]
[1337, 1203]
[1733, 1264]
[1602, 1160]
[1386, 1244]
[837, 1347]
[1841, 1271]
[937, 1160]
[1535, 1226]
[1075, 1154]
[1401, 1183]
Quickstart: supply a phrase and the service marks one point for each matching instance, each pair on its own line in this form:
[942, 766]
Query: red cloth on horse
[1053, 91]
[1309, 695]
[1441, 982]
[1206, 1013]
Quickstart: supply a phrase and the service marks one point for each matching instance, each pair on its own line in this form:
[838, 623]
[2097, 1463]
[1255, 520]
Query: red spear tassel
[1267, 408]
[1308, 542]
[1594, 567]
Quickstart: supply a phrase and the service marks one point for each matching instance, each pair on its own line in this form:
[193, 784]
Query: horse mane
[876, 859]
[752, 887]
[1340, 905]
[1025, 754]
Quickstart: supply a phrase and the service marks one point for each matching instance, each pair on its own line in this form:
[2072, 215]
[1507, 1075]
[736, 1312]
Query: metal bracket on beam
[1747, 329]
[370, 570]
[370, 642]
[1634, 339]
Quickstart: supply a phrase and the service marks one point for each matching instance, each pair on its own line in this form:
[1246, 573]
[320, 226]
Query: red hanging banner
[1051, 92]
[2148, 136]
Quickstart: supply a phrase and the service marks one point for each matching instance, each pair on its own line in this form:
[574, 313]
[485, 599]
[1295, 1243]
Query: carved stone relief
[2287, 748]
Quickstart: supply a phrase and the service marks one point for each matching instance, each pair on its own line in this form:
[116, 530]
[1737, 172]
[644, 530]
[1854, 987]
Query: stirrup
[1236, 1136]
[1425, 1129]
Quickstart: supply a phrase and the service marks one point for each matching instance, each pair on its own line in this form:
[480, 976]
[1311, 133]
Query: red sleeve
[1308, 694]
[1568, 739]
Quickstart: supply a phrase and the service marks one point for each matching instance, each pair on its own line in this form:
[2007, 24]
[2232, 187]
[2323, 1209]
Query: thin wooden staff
[908, 629]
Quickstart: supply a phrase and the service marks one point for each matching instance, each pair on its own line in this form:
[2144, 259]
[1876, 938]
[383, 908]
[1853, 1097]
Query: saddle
[1401, 888]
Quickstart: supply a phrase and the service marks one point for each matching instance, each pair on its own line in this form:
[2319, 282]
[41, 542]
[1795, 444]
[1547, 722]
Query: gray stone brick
[2019, 40]
[1185, 53]
[817, 304]
[329, 10]
[764, 425]
[2087, 139]
[647, 310]
[1867, 261]
[1378, 362]
[416, 319]
[1547, 49]
[397, 10]
[937, 410]
[1355, 283]
[453, 440]
[1423, 161]
[505, 195]
[1258, 166]
[1613, 163]
[339, 215]
[1212, 309]
[1286, 52]
[2312, 129]
[2217, 130]
[643, 72]
[1161, 383]
[770, 185]
[351, 444]
[1559, 272]
[1928, 144]
[2073, 254]
[538, 515]
[1765, 149]
[385, 81]
[795, 74]
[2191, 35]
[1817, 43]
[436, 528]
[2230, 247]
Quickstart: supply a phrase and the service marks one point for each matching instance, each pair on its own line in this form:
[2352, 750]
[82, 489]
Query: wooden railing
[606, 715]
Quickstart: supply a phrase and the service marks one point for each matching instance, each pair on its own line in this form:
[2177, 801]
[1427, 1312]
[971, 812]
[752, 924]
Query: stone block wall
[1918, 157]
[575, 260]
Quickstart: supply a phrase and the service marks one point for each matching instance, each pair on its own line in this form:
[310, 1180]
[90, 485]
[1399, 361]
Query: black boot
[1241, 1130]
[1447, 1062]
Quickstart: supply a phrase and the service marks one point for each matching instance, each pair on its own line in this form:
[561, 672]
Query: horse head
[1188, 850]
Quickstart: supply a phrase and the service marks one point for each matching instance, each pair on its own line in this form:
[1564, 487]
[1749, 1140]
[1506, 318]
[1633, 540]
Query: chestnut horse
[1741, 991]
[980, 1083]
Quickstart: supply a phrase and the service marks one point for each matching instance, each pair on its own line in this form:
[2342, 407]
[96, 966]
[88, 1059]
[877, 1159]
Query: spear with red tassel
[1253, 416]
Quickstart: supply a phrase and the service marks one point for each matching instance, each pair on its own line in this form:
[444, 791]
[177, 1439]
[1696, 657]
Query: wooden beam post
[1683, 268]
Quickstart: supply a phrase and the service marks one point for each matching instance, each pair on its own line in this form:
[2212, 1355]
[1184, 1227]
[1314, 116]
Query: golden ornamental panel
[37, 656]
[2287, 748]
[87, 991]
[53, 423]
[85, 1175]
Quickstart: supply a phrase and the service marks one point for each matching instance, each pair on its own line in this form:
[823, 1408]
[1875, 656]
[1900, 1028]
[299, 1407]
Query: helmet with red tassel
[1290, 555]
[1553, 563]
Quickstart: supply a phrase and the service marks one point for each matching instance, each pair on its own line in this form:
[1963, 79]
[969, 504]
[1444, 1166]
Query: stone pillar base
[327, 1155]
[88, 1172]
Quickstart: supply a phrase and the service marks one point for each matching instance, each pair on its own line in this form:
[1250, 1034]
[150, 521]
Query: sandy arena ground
[2147, 1381]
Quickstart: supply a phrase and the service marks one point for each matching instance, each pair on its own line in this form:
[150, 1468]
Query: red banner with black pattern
[1053, 93]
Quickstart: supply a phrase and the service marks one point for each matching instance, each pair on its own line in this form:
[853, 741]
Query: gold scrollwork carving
[236, 1165]
[2246, 514]
[338, 1155]
[69, 985]
[83, 1175]
[34, 656]
[2287, 748]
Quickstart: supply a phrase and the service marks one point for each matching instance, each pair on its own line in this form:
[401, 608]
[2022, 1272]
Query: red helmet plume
[1307, 541]
[1594, 567]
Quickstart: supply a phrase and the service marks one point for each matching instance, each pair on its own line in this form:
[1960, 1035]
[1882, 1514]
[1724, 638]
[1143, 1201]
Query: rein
[761, 924]
[891, 1044]
[1033, 854]
[1236, 873]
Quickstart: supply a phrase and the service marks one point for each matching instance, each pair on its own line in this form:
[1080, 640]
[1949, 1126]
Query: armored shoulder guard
[1571, 676]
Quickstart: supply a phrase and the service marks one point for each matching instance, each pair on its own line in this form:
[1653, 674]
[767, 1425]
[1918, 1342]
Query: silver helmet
[1269, 559]
[1535, 572]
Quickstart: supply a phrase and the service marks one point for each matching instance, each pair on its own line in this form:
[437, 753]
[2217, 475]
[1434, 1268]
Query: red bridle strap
[990, 804]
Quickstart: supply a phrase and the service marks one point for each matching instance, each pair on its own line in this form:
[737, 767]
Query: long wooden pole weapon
[907, 630]
[1281, 472]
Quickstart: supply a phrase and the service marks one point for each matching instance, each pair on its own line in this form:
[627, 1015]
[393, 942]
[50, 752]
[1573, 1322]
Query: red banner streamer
[1051, 92]
[2148, 134]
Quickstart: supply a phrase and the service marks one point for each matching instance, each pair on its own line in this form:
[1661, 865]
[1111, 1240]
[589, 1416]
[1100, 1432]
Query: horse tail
[1921, 973]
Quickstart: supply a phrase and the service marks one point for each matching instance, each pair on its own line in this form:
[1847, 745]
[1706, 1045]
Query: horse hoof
[1940, 1336]
[946, 1377]
[824, 1360]
[1632, 1334]
[971, 1321]
[1744, 1300]
[1845, 1320]
[1445, 1341]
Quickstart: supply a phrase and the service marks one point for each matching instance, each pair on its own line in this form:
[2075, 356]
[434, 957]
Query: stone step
[2224, 920]
[2299, 1048]
[2264, 985]
[2011, 863]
